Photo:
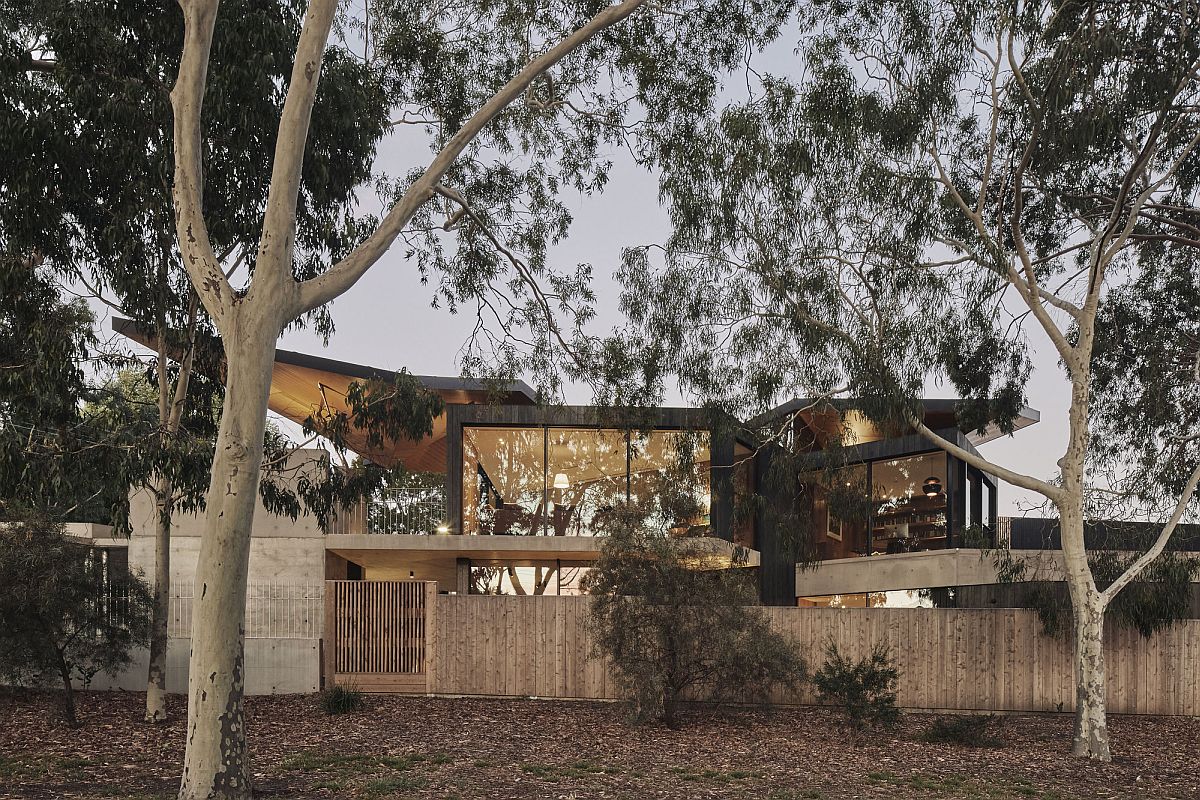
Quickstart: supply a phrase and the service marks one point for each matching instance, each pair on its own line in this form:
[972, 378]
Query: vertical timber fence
[379, 634]
[403, 637]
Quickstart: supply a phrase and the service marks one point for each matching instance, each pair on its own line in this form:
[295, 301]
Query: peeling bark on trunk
[1091, 724]
[156, 678]
[215, 764]
[1087, 604]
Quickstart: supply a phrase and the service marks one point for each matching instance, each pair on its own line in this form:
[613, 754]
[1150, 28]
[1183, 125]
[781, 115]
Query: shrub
[64, 616]
[341, 700]
[673, 626]
[864, 690]
[968, 730]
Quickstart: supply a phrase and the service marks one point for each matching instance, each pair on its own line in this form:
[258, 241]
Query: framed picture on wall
[834, 527]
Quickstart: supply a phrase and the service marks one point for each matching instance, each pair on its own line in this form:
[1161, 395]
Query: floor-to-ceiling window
[586, 471]
[669, 474]
[504, 478]
[909, 499]
[565, 481]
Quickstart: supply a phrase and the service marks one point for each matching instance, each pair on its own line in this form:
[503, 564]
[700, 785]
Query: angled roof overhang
[303, 385]
[826, 417]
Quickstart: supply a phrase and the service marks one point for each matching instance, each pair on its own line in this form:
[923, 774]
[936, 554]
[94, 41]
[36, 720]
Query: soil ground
[482, 748]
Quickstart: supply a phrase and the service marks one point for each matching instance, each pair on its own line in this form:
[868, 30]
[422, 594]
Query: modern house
[824, 508]
[525, 490]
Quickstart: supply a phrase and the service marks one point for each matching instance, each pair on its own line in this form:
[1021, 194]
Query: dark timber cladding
[530, 416]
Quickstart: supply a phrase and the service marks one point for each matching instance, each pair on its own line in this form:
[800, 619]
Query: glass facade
[908, 496]
[563, 481]
[504, 479]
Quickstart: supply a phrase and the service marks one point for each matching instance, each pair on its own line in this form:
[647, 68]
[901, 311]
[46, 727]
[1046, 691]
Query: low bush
[968, 730]
[341, 700]
[864, 690]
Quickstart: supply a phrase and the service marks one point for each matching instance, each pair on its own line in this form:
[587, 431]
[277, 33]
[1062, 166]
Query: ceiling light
[561, 481]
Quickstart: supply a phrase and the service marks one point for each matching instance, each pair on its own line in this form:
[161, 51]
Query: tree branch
[1159, 545]
[188, 191]
[276, 244]
[1048, 490]
[317, 291]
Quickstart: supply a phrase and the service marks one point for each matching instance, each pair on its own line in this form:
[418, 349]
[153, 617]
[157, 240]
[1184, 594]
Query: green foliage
[85, 194]
[967, 730]
[863, 690]
[678, 624]
[57, 455]
[1159, 597]
[64, 617]
[341, 700]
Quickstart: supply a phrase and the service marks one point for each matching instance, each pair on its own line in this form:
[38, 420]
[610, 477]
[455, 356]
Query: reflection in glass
[910, 503]
[503, 481]
[670, 470]
[548, 578]
[743, 496]
[587, 469]
[843, 499]
[564, 481]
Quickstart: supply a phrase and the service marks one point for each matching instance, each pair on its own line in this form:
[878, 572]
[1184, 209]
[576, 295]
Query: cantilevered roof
[303, 384]
[826, 416]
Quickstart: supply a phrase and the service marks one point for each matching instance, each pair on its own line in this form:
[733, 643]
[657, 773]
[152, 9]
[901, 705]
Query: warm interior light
[443, 528]
[932, 486]
[561, 481]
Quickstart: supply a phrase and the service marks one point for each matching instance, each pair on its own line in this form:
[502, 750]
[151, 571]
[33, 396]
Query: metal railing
[395, 510]
[292, 610]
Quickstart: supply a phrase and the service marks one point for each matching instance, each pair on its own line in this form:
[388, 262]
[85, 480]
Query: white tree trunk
[1087, 603]
[215, 761]
[156, 678]
[1091, 723]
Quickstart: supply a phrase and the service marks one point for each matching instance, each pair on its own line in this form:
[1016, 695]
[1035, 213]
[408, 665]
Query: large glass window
[548, 578]
[909, 498]
[743, 496]
[842, 502]
[670, 471]
[586, 470]
[563, 481]
[503, 481]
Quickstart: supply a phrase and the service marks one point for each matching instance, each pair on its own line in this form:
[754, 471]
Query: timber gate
[379, 635]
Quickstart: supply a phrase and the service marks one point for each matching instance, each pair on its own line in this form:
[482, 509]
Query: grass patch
[383, 787]
[341, 700]
[576, 770]
[33, 767]
[378, 775]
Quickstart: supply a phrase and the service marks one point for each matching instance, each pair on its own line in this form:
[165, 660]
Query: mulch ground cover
[484, 748]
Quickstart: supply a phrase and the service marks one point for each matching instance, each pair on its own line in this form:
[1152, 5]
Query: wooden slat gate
[378, 634]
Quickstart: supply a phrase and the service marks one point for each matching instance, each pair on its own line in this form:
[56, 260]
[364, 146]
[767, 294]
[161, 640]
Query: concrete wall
[930, 569]
[273, 666]
[281, 549]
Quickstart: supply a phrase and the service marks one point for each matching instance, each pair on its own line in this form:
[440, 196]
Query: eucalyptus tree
[85, 109]
[54, 457]
[929, 182]
[518, 103]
